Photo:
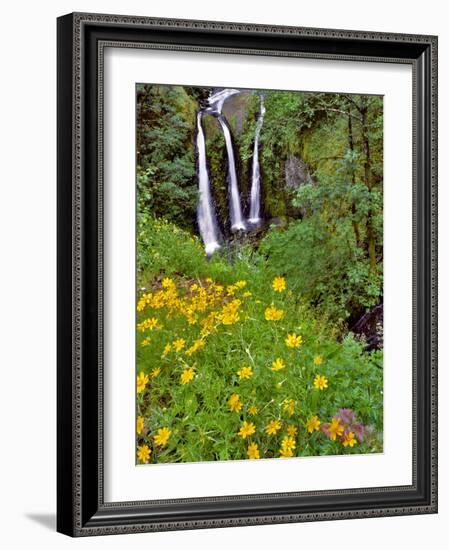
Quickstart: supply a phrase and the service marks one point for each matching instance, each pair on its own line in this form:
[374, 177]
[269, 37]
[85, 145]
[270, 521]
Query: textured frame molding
[81, 42]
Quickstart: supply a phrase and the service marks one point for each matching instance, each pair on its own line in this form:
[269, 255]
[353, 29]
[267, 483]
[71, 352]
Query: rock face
[296, 172]
[370, 326]
[279, 176]
[235, 109]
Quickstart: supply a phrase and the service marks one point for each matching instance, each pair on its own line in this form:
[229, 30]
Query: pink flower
[346, 416]
[359, 431]
[325, 428]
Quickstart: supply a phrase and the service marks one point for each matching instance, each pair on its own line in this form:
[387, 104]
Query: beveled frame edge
[73, 261]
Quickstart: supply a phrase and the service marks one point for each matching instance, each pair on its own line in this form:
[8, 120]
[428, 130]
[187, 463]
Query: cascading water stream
[206, 213]
[254, 210]
[216, 100]
[235, 208]
[207, 221]
[215, 105]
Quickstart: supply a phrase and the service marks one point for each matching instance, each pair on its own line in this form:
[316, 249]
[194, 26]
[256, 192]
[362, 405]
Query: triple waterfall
[207, 219]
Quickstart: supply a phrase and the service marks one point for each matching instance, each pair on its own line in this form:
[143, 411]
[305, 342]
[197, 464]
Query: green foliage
[324, 267]
[323, 234]
[198, 414]
[320, 254]
[166, 182]
[332, 247]
[165, 249]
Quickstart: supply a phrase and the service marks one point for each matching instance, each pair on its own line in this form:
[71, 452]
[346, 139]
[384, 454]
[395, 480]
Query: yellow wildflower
[273, 427]
[234, 403]
[273, 314]
[289, 406]
[143, 454]
[288, 443]
[145, 342]
[140, 423]
[285, 453]
[145, 300]
[168, 283]
[320, 382]
[245, 373]
[230, 318]
[349, 439]
[335, 429]
[253, 410]
[157, 300]
[246, 429]
[155, 372]
[179, 344]
[192, 318]
[230, 290]
[292, 430]
[229, 314]
[240, 284]
[187, 375]
[208, 324]
[253, 451]
[278, 284]
[317, 360]
[293, 340]
[277, 364]
[162, 436]
[197, 344]
[151, 324]
[167, 350]
[142, 303]
[142, 381]
[313, 423]
[247, 294]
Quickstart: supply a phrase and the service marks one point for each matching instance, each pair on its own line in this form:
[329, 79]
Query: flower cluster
[160, 439]
[270, 379]
[273, 314]
[288, 445]
[345, 428]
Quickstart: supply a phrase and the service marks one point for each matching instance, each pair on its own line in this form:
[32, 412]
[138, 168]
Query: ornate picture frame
[81, 507]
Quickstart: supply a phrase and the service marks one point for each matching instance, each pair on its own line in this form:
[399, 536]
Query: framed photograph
[247, 280]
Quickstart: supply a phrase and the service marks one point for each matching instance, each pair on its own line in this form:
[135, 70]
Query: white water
[206, 214]
[235, 208]
[207, 220]
[215, 101]
[254, 210]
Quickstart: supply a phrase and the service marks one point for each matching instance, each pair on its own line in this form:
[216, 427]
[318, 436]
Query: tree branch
[346, 113]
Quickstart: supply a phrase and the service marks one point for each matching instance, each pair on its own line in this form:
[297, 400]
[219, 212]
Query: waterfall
[206, 213]
[207, 221]
[235, 208]
[216, 100]
[254, 211]
[215, 105]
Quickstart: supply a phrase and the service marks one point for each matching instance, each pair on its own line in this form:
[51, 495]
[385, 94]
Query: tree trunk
[368, 182]
[355, 225]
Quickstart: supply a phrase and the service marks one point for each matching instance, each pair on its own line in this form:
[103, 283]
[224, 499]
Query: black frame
[81, 510]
